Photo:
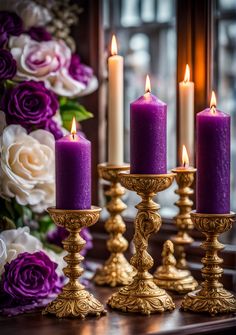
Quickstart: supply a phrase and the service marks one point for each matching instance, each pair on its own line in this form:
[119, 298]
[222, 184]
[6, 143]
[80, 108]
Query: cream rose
[47, 61]
[27, 167]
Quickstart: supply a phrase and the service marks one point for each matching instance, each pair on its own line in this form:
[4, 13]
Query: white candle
[115, 107]
[186, 107]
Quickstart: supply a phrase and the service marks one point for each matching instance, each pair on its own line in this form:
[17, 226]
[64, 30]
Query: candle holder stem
[211, 297]
[142, 295]
[116, 270]
[184, 179]
[74, 300]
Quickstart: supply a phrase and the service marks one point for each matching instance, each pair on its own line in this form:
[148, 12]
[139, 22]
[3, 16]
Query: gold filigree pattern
[211, 297]
[116, 270]
[142, 295]
[184, 179]
[74, 300]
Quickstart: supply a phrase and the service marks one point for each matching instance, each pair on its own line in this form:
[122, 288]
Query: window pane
[225, 74]
[147, 39]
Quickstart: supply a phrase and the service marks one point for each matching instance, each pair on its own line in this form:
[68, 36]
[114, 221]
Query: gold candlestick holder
[184, 178]
[211, 297]
[116, 270]
[167, 276]
[142, 295]
[74, 300]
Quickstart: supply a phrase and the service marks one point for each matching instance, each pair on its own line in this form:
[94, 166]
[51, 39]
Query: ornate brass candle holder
[184, 178]
[116, 270]
[211, 297]
[167, 276]
[74, 300]
[142, 295]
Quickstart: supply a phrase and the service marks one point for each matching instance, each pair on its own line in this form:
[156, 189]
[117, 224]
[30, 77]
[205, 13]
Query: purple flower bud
[10, 24]
[7, 65]
[78, 71]
[39, 34]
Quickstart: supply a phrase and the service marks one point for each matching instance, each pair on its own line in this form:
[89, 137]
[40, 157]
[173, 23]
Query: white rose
[31, 13]
[27, 167]
[15, 241]
[47, 61]
[3, 255]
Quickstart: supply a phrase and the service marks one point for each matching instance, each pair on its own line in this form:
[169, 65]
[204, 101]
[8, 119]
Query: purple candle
[73, 171]
[213, 160]
[148, 134]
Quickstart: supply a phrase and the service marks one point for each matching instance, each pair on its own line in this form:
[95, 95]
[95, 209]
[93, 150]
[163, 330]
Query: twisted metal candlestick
[74, 300]
[211, 297]
[184, 178]
[142, 295]
[116, 270]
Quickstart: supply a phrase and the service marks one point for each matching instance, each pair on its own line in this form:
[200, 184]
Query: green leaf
[70, 109]
[45, 223]
[52, 247]
[6, 223]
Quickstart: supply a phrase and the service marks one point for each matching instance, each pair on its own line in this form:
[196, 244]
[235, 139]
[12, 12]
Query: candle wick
[213, 109]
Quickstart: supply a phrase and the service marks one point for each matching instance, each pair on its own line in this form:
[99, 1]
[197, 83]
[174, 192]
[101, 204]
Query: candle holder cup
[74, 300]
[116, 270]
[142, 295]
[211, 297]
[184, 280]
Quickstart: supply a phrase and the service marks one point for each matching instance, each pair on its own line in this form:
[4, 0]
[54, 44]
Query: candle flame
[213, 103]
[187, 74]
[185, 159]
[148, 85]
[113, 46]
[73, 127]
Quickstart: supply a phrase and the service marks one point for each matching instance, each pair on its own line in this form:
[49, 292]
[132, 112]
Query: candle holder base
[74, 301]
[142, 295]
[211, 298]
[169, 277]
[116, 271]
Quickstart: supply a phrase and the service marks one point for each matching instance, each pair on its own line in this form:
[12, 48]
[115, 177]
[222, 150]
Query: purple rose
[53, 127]
[30, 277]
[39, 34]
[59, 234]
[10, 24]
[29, 104]
[7, 65]
[78, 71]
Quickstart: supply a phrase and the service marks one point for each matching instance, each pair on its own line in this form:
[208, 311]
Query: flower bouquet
[41, 78]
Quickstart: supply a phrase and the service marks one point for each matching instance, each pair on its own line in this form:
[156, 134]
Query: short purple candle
[213, 161]
[73, 172]
[148, 122]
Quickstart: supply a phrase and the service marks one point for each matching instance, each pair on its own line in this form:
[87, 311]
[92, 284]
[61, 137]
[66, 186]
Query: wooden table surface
[176, 322]
[116, 323]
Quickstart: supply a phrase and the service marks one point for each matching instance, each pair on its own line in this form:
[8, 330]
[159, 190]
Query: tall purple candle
[73, 172]
[148, 134]
[213, 161]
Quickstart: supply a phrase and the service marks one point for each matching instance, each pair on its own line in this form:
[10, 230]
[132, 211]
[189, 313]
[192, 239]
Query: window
[225, 73]
[147, 39]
